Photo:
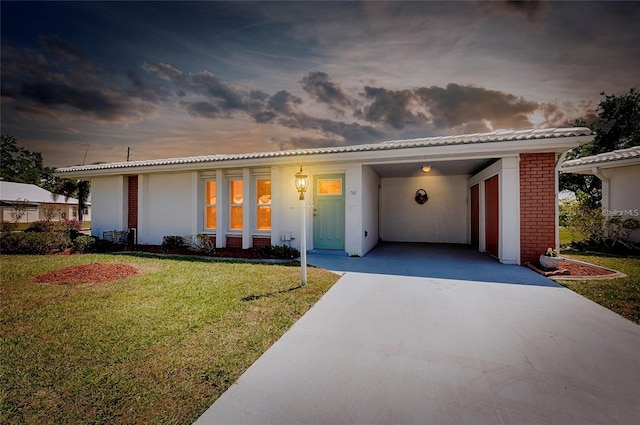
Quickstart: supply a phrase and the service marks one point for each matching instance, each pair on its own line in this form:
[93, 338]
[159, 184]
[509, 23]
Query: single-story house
[41, 204]
[619, 172]
[496, 191]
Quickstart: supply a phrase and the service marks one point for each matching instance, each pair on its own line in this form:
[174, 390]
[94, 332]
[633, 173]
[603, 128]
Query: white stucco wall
[623, 193]
[168, 203]
[443, 218]
[370, 208]
[108, 204]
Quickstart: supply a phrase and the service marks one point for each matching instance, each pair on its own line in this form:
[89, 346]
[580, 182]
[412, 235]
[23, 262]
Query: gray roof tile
[495, 136]
[607, 157]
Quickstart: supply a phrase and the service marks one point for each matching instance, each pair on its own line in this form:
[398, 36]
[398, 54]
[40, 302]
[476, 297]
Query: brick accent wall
[537, 205]
[132, 202]
[234, 242]
[261, 241]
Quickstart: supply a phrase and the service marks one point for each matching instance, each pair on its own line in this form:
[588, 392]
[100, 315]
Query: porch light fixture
[302, 183]
[426, 168]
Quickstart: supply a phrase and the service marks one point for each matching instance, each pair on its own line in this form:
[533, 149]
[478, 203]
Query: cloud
[391, 107]
[319, 87]
[166, 72]
[60, 82]
[458, 105]
[455, 106]
[64, 52]
[531, 10]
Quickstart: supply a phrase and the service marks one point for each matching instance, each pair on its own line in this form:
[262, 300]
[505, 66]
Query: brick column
[132, 202]
[537, 205]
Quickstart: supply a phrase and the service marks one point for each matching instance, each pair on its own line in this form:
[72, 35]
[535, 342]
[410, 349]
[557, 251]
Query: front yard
[158, 347]
[619, 295]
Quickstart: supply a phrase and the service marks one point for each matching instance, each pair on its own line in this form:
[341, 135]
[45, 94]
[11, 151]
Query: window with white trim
[210, 205]
[236, 198]
[263, 204]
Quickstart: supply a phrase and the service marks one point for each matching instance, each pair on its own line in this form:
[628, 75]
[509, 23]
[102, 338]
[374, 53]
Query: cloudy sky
[177, 79]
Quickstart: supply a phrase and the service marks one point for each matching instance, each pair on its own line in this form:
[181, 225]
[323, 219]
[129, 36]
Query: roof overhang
[463, 147]
[616, 159]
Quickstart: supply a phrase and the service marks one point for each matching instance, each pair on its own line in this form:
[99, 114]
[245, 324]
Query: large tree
[617, 126]
[20, 165]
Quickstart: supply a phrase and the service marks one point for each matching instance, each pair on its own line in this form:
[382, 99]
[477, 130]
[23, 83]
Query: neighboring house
[41, 204]
[619, 172]
[496, 191]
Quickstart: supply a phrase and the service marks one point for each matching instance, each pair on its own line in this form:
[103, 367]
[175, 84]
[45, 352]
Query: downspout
[559, 162]
[605, 187]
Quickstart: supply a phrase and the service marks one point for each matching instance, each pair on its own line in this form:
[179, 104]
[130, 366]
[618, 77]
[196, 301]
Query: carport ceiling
[438, 168]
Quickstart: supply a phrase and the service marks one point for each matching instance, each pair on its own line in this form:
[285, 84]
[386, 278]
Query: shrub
[173, 242]
[278, 251]
[200, 243]
[44, 226]
[84, 243]
[602, 233]
[33, 242]
[8, 226]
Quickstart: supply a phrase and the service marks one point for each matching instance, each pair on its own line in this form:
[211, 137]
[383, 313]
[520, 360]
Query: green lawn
[157, 348]
[619, 295]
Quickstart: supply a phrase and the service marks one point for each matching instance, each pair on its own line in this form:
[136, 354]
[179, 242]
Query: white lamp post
[302, 183]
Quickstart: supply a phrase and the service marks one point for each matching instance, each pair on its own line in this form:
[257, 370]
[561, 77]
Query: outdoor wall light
[426, 168]
[302, 183]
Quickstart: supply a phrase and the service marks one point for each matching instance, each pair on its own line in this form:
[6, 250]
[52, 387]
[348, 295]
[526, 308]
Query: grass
[619, 295]
[157, 348]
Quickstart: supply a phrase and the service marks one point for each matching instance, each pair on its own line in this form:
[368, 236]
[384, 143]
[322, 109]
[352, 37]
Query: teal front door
[328, 214]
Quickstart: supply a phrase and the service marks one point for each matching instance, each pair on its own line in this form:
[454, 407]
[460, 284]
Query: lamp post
[302, 183]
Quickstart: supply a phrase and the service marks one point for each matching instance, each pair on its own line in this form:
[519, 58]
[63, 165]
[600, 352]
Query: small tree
[19, 208]
[49, 211]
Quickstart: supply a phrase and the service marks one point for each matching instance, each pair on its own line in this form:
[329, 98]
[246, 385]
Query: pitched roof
[465, 139]
[608, 158]
[10, 191]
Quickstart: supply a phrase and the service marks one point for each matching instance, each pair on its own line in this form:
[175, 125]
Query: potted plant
[550, 259]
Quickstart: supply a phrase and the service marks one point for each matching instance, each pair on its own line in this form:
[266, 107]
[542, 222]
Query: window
[263, 194]
[235, 204]
[210, 206]
[329, 187]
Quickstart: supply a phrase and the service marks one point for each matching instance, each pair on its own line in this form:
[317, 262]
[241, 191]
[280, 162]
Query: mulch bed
[87, 273]
[570, 268]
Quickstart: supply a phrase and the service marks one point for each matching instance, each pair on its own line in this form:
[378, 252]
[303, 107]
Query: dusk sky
[181, 79]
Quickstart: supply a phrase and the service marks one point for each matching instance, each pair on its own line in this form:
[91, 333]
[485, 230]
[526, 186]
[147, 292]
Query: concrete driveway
[498, 345]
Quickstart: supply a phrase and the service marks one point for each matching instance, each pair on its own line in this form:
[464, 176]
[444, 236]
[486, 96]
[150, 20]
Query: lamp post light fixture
[302, 184]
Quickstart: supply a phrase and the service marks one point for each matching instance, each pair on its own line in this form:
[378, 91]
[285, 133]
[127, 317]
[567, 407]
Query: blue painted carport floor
[508, 347]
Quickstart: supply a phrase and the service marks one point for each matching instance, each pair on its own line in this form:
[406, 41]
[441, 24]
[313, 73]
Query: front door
[328, 214]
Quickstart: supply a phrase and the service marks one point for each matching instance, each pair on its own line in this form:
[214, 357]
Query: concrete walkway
[420, 347]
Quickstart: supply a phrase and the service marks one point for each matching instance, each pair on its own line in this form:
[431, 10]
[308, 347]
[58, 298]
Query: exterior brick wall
[261, 241]
[234, 242]
[132, 202]
[537, 205]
